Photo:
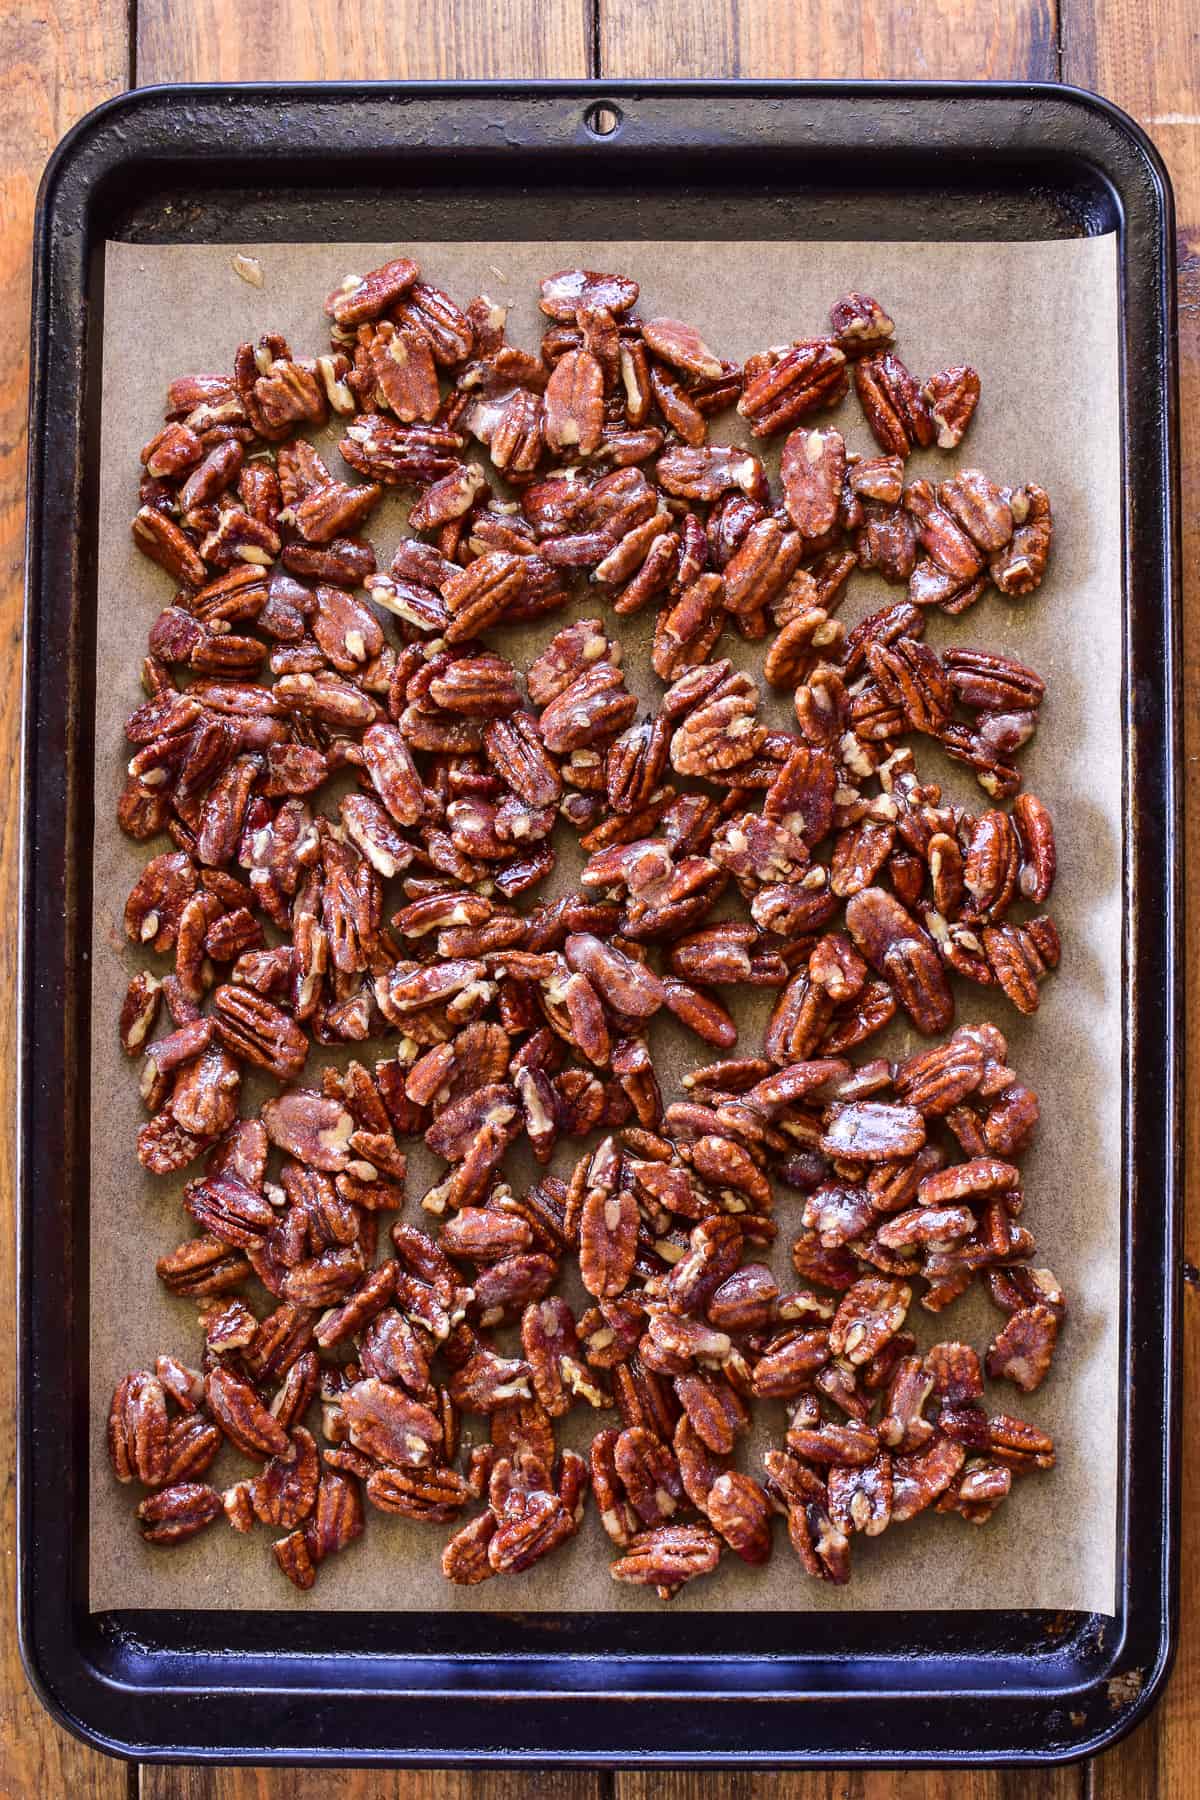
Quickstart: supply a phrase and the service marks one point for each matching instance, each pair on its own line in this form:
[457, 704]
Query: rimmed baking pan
[711, 160]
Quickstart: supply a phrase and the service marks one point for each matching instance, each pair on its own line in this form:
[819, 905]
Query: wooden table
[58, 58]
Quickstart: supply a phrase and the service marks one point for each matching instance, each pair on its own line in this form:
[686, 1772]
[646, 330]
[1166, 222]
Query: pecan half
[895, 945]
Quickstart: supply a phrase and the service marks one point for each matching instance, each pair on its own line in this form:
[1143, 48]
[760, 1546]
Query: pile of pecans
[859, 893]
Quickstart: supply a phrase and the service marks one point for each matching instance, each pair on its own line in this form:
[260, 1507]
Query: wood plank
[940, 40]
[209, 40]
[760, 38]
[305, 40]
[367, 1784]
[937, 40]
[1147, 59]
[872, 1784]
[58, 58]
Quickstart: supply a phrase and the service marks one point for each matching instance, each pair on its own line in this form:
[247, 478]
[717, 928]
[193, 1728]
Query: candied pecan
[139, 1010]
[484, 1381]
[991, 868]
[987, 682]
[1011, 1120]
[1021, 1353]
[910, 676]
[515, 748]
[722, 730]
[682, 346]
[668, 1556]
[1035, 830]
[716, 1415]
[902, 1426]
[438, 1494]
[158, 898]
[575, 403]
[465, 1557]
[1018, 568]
[799, 645]
[529, 1527]
[401, 362]
[449, 330]
[852, 1444]
[163, 1146]
[884, 627]
[394, 454]
[872, 1131]
[286, 1491]
[171, 452]
[687, 631]
[893, 404]
[934, 1080]
[595, 706]
[311, 1127]
[714, 1248]
[480, 594]
[809, 374]
[877, 478]
[203, 1266]
[952, 398]
[859, 324]
[167, 544]
[608, 1241]
[983, 753]
[886, 540]
[512, 427]
[761, 567]
[389, 1425]
[812, 469]
[676, 407]
[920, 1476]
[178, 1512]
[980, 507]
[228, 1209]
[138, 1430]
[192, 1446]
[904, 955]
[360, 297]
[633, 764]
[739, 1510]
[707, 471]
[246, 1422]
[649, 1474]
[563, 294]
[1020, 957]
[789, 1363]
[870, 1313]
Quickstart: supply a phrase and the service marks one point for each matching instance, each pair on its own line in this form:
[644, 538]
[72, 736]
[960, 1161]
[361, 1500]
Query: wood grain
[873, 1784]
[332, 40]
[366, 1784]
[58, 58]
[934, 40]
[1147, 59]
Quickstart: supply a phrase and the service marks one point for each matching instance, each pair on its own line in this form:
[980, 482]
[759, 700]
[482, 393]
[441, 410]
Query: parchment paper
[1039, 322]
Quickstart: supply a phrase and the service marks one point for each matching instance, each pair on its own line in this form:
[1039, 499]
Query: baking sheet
[1039, 322]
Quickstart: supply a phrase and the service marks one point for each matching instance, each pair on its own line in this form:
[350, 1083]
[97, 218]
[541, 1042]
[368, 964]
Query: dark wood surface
[58, 58]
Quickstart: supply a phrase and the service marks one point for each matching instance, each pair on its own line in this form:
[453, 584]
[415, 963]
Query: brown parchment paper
[1039, 322]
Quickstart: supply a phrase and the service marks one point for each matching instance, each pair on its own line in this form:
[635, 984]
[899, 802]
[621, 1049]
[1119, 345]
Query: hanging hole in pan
[602, 119]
